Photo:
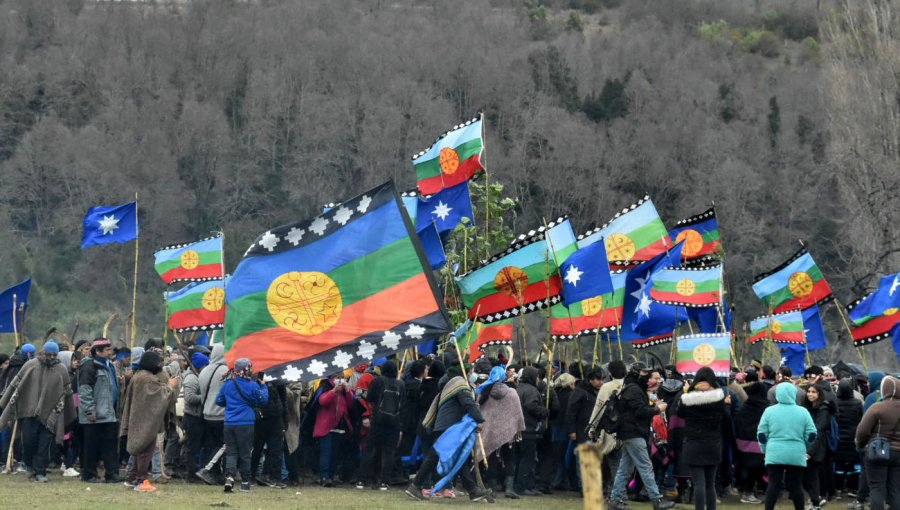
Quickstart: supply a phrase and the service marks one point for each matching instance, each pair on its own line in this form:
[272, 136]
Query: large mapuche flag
[521, 279]
[453, 158]
[798, 283]
[597, 314]
[317, 297]
[199, 306]
[704, 350]
[634, 235]
[190, 262]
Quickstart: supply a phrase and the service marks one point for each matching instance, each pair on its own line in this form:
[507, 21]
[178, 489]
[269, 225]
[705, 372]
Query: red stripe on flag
[701, 298]
[196, 317]
[204, 271]
[463, 173]
[652, 250]
[562, 326]
[533, 293]
[877, 326]
[502, 332]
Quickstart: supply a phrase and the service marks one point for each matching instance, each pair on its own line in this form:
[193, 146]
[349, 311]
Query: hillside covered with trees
[245, 115]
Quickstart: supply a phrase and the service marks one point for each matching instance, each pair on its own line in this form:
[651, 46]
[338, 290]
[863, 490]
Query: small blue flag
[427, 347]
[446, 208]
[642, 317]
[793, 356]
[585, 274]
[812, 329]
[7, 308]
[110, 224]
[707, 318]
[885, 297]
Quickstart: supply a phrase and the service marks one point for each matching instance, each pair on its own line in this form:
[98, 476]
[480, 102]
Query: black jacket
[850, 412]
[705, 417]
[276, 408]
[410, 410]
[578, 411]
[821, 415]
[634, 409]
[428, 392]
[562, 396]
[462, 403]
[533, 403]
[387, 379]
[12, 370]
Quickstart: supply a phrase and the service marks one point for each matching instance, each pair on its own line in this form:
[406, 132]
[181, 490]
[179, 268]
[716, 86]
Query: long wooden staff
[15, 430]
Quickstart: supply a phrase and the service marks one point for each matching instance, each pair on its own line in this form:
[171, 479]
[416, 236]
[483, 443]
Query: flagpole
[222, 236]
[15, 430]
[803, 333]
[619, 338]
[166, 325]
[859, 350]
[487, 193]
[137, 237]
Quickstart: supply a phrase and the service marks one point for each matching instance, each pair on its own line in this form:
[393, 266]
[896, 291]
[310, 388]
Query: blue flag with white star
[813, 331]
[794, 356]
[105, 224]
[642, 317]
[884, 298]
[13, 302]
[585, 274]
[446, 208]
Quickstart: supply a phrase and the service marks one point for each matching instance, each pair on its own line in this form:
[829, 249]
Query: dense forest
[241, 116]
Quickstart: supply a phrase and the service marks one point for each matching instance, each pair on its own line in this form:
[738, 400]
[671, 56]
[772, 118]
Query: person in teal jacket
[784, 433]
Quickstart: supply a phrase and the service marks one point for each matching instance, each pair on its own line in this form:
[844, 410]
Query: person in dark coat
[846, 458]
[705, 412]
[535, 411]
[751, 465]
[268, 432]
[579, 408]
[635, 414]
[386, 395]
[564, 387]
[821, 409]
[409, 413]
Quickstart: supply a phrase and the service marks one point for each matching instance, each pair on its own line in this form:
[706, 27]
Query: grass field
[16, 492]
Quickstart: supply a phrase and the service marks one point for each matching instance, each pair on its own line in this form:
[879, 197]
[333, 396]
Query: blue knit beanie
[51, 348]
[199, 360]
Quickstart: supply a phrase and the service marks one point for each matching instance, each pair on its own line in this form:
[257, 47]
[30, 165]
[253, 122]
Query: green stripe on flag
[535, 273]
[648, 234]
[701, 287]
[206, 257]
[191, 301]
[688, 355]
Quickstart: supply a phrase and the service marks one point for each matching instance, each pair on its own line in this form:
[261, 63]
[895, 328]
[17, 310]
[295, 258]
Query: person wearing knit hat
[40, 398]
[239, 396]
[29, 350]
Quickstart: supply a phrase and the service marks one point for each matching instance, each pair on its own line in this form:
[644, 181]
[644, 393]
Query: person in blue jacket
[785, 432]
[239, 396]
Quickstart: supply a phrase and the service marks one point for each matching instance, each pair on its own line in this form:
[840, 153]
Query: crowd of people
[154, 413]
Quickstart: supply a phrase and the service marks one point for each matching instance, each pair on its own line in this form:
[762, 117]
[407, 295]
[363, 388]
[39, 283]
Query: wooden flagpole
[137, 237]
[166, 323]
[569, 312]
[15, 429]
[859, 350]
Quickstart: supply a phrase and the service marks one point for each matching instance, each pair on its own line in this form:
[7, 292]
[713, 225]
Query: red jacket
[333, 408]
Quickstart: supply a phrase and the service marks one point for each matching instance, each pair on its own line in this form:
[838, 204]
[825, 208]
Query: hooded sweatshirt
[884, 415]
[875, 379]
[786, 429]
[211, 380]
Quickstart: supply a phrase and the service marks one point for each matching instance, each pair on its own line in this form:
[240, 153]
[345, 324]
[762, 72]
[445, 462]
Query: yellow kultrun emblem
[693, 242]
[304, 302]
[891, 311]
[592, 306]
[704, 354]
[213, 299]
[449, 159]
[620, 247]
[776, 326]
[190, 259]
[511, 281]
[685, 287]
[800, 284]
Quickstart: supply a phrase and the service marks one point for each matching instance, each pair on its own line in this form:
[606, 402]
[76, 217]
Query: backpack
[389, 401]
[834, 435]
[611, 415]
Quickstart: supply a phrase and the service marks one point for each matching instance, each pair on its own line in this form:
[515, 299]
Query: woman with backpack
[821, 410]
[705, 414]
[784, 433]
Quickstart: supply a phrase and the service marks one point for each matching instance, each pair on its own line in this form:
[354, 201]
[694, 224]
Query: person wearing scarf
[40, 396]
[143, 417]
